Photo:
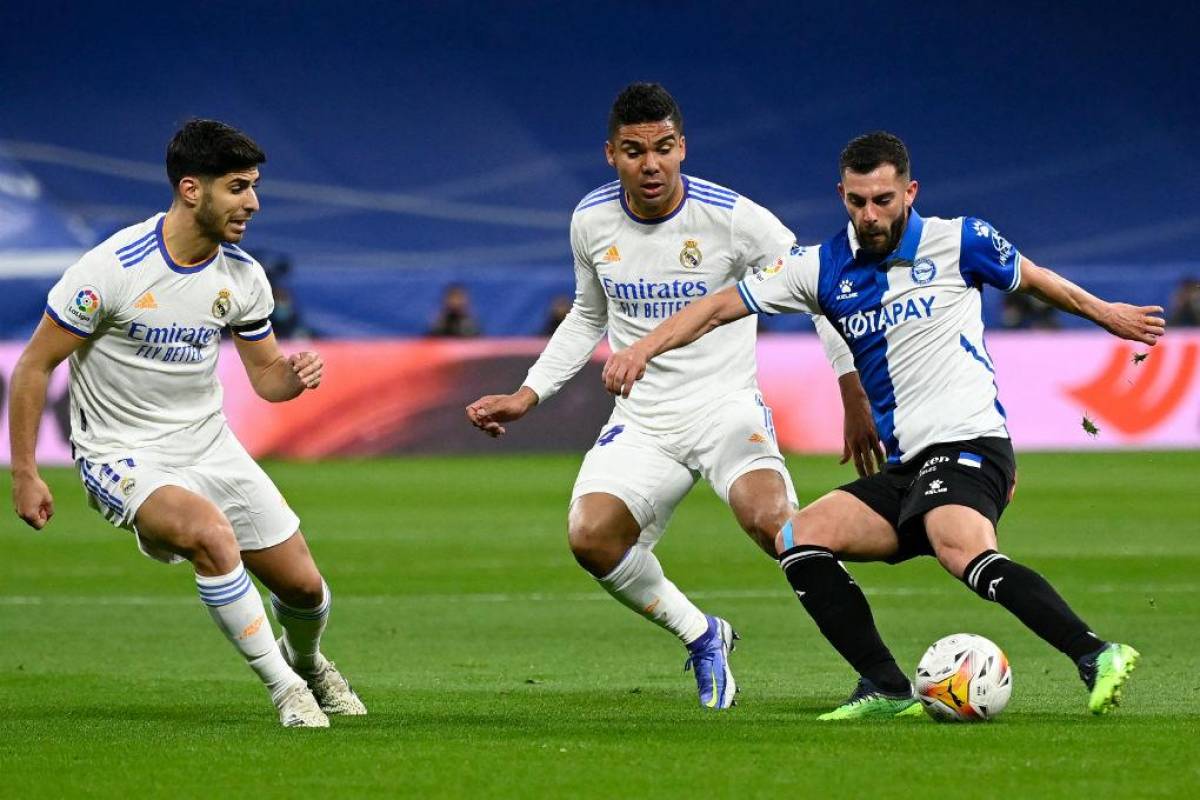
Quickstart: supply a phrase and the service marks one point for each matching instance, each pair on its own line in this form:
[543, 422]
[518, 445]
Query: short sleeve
[84, 297]
[759, 237]
[252, 319]
[987, 257]
[788, 284]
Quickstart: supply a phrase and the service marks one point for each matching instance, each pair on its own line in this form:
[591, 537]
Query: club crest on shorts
[690, 256]
[222, 305]
[127, 486]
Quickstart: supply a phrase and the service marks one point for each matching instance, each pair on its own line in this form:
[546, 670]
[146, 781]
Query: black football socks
[1031, 599]
[840, 609]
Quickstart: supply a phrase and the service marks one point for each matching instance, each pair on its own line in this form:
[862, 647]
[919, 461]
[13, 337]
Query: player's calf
[1031, 599]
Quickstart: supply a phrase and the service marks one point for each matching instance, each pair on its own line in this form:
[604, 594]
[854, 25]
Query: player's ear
[190, 191]
[610, 153]
[682, 147]
[911, 192]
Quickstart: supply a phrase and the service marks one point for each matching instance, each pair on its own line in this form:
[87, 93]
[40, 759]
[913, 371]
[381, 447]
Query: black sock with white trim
[840, 609]
[1031, 599]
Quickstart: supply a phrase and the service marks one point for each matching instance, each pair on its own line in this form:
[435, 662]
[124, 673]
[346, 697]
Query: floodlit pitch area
[493, 666]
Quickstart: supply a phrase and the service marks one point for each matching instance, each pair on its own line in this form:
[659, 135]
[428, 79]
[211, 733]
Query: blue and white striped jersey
[913, 321]
[146, 377]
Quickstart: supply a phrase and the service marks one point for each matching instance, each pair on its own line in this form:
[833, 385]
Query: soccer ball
[963, 678]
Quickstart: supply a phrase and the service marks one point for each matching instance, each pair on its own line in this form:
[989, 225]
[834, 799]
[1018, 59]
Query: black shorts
[978, 474]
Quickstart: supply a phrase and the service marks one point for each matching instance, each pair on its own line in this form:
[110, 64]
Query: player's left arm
[1136, 323]
[274, 376]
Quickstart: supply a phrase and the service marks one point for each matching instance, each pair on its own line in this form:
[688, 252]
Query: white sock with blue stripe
[238, 611]
[302, 629]
[639, 583]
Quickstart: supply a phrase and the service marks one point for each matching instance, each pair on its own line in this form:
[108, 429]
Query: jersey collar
[182, 269]
[906, 250]
[655, 220]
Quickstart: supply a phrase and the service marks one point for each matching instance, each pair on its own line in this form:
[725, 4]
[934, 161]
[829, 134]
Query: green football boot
[1105, 673]
[869, 702]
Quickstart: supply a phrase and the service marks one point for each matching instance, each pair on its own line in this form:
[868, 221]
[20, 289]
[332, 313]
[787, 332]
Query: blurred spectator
[559, 307]
[455, 317]
[286, 320]
[1185, 304]
[1025, 312]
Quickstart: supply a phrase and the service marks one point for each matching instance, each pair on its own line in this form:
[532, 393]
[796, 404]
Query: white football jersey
[633, 273]
[913, 320]
[145, 380]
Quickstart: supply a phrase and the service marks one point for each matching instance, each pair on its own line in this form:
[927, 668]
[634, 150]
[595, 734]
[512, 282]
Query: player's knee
[594, 545]
[211, 544]
[305, 592]
[954, 556]
[810, 526]
[764, 525]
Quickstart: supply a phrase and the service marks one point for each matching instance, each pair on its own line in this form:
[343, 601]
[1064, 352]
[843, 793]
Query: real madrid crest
[222, 305]
[690, 256]
[126, 486]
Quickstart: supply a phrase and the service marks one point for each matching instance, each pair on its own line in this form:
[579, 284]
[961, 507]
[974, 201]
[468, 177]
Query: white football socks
[639, 583]
[302, 629]
[238, 611]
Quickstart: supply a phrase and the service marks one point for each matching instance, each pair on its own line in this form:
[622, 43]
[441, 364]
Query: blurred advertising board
[408, 396]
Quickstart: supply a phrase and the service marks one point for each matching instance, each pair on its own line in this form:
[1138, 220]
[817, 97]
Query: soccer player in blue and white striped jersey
[904, 292]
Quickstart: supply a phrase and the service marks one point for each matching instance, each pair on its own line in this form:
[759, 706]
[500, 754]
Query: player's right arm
[27, 399]
[568, 350]
[626, 367]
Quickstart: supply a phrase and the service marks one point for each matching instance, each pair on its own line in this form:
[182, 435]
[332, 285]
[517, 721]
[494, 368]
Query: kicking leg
[840, 526]
[186, 523]
[301, 601]
[965, 543]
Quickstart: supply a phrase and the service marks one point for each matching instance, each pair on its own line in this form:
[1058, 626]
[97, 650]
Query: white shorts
[651, 472]
[224, 474]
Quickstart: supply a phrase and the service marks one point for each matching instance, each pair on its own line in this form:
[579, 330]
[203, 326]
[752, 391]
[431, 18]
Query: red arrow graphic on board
[1140, 406]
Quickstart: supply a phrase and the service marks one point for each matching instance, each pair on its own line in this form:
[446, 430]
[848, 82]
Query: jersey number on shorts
[609, 435]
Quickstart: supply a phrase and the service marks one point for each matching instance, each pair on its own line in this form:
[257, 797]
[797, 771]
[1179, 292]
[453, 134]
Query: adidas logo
[612, 255]
[758, 438]
[146, 301]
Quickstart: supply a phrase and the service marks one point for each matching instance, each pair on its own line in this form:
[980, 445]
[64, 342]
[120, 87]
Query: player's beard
[895, 231]
[207, 219]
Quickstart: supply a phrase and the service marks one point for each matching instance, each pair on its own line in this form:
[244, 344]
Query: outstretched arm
[626, 367]
[1136, 323]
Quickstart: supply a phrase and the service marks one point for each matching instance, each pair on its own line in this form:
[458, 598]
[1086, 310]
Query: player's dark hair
[207, 148]
[867, 152]
[643, 102]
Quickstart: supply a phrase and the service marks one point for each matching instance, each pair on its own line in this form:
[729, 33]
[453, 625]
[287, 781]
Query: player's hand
[490, 411]
[32, 500]
[1137, 323]
[308, 367]
[860, 440]
[624, 368]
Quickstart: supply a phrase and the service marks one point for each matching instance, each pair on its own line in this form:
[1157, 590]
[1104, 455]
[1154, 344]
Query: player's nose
[251, 204]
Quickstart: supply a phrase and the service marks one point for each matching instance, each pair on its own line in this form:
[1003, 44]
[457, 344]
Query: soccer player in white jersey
[140, 316]
[645, 246]
[905, 293]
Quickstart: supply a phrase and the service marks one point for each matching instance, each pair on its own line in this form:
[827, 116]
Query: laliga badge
[690, 256]
[222, 305]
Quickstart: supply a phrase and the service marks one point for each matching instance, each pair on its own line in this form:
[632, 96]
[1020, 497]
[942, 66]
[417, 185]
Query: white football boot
[333, 692]
[298, 709]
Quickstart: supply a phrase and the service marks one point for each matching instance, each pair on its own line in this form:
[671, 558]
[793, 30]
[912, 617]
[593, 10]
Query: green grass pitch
[494, 667]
